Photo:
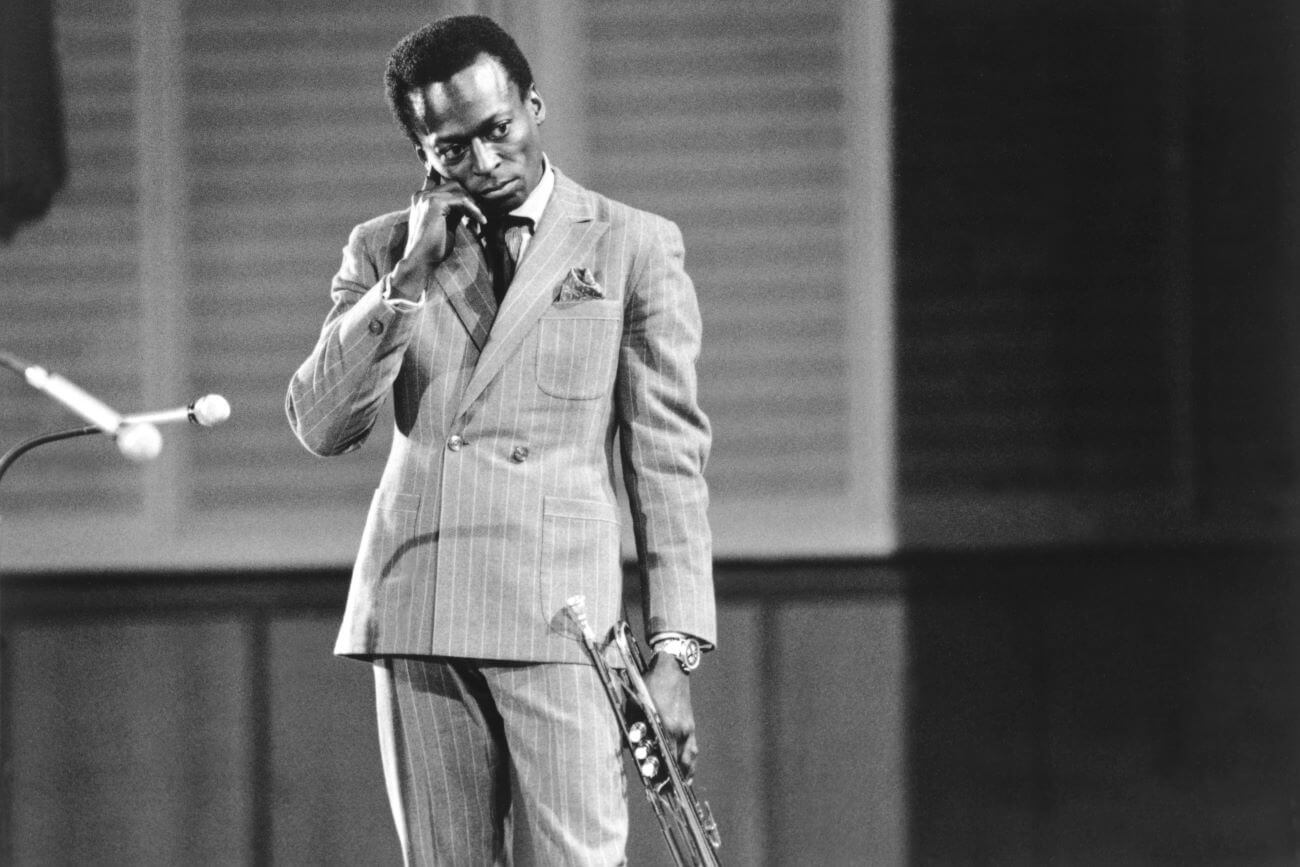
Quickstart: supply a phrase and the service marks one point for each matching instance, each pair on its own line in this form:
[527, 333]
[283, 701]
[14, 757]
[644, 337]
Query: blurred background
[1002, 308]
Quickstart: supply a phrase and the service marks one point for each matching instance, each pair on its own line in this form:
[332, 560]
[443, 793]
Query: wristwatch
[684, 649]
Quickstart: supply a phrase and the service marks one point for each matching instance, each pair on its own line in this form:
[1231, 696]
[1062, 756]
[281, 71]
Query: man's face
[477, 129]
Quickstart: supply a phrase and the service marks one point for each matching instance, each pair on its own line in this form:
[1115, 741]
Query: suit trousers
[501, 763]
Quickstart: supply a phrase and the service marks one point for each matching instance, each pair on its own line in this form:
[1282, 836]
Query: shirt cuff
[400, 305]
[663, 636]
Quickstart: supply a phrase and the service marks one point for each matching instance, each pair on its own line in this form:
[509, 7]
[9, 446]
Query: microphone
[139, 441]
[209, 410]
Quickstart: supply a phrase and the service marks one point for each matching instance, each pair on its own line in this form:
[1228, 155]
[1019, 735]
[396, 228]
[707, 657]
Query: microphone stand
[18, 366]
[8, 458]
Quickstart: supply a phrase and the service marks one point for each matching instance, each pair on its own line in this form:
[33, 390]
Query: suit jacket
[497, 502]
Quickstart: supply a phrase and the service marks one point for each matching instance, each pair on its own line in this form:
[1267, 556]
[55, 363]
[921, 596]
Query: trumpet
[686, 821]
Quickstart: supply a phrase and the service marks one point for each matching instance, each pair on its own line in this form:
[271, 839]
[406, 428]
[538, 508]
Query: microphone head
[139, 442]
[209, 410]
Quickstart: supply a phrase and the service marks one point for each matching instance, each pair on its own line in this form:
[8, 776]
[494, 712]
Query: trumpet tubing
[686, 821]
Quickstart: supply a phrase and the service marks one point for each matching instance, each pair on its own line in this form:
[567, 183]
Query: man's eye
[451, 153]
[501, 130]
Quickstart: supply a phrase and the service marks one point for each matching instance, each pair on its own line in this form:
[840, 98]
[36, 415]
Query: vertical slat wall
[1085, 334]
[732, 119]
[69, 281]
[132, 742]
[729, 118]
[1246, 171]
[290, 146]
[726, 118]
[1033, 213]
[1095, 257]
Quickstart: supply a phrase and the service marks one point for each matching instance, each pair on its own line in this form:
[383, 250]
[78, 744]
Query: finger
[434, 182]
[474, 212]
[455, 204]
[690, 751]
[433, 185]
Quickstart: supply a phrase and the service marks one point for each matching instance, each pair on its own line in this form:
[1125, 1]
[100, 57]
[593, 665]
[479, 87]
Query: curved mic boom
[138, 439]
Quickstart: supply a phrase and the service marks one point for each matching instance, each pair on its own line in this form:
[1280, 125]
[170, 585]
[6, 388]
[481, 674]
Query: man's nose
[485, 158]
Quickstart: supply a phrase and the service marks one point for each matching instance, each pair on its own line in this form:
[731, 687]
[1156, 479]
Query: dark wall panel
[1098, 708]
[1079, 706]
[129, 742]
[839, 793]
[1244, 123]
[323, 787]
[1096, 212]
[1033, 202]
[730, 697]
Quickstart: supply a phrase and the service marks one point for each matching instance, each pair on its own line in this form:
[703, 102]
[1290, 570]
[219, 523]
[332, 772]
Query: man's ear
[536, 105]
[430, 170]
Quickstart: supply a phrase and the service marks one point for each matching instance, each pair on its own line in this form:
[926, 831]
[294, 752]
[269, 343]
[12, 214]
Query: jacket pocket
[389, 526]
[577, 349]
[580, 557]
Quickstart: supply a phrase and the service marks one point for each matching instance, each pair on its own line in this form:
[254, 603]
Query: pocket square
[579, 285]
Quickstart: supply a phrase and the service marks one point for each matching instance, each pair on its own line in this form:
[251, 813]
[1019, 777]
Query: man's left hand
[670, 687]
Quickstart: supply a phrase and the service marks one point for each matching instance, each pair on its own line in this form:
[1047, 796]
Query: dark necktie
[502, 240]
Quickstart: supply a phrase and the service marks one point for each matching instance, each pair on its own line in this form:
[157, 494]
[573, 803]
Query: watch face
[690, 655]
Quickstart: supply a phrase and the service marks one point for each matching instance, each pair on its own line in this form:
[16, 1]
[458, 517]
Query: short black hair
[439, 50]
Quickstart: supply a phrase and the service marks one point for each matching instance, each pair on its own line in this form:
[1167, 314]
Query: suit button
[520, 454]
[455, 442]
[376, 327]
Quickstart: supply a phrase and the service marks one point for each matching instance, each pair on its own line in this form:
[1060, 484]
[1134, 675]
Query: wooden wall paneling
[325, 798]
[1180, 346]
[1033, 244]
[733, 120]
[976, 786]
[291, 144]
[1133, 709]
[1171, 727]
[164, 359]
[1096, 271]
[733, 702]
[733, 706]
[838, 791]
[233, 148]
[130, 742]
[1243, 109]
[70, 280]
[870, 265]
[1088, 705]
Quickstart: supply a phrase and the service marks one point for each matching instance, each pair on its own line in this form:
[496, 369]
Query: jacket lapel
[566, 235]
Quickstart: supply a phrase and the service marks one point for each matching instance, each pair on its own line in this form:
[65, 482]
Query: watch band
[684, 649]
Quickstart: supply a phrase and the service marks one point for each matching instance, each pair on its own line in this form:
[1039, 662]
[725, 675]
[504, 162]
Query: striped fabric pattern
[443, 729]
[497, 501]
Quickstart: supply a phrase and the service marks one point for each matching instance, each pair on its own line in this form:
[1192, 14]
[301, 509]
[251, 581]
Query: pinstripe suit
[497, 502]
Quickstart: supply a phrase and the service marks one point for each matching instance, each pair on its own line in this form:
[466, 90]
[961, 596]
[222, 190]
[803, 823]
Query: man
[513, 357]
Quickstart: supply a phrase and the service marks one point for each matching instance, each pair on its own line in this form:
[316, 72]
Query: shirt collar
[535, 204]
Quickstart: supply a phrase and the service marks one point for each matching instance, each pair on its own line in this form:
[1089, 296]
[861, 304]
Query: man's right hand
[436, 209]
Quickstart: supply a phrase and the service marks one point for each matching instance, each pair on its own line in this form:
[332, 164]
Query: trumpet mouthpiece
[577, 608]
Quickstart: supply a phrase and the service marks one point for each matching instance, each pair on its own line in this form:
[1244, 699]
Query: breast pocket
[577, 349]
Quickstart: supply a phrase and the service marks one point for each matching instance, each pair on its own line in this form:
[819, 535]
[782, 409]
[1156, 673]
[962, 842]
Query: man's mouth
[498, 190]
